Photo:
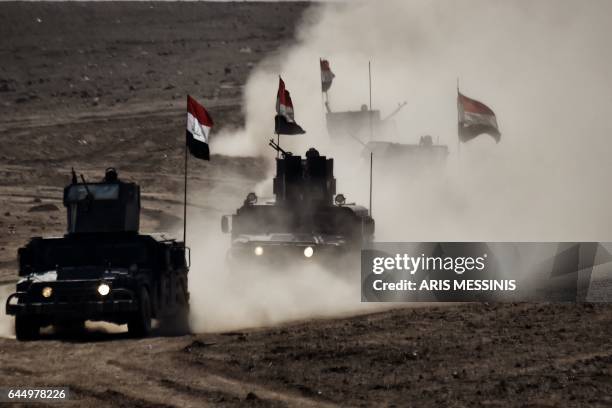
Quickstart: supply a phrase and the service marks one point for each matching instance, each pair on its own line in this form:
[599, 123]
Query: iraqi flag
[475, 118]
[327, 76]
[284, 123]
[199, 124]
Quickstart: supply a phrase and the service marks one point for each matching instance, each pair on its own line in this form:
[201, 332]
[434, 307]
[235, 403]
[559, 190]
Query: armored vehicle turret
[307, 219]
[102, 268]
[109, 206]
[424, 156]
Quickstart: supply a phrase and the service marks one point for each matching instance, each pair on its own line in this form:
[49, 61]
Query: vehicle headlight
[258, 251]
[103, 289]
[47, 291]
[308, 251]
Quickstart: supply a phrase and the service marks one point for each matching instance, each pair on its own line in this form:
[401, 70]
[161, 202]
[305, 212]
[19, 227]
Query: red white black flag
[199, 124]
[327, 76]
[475, 118]
[284, 122]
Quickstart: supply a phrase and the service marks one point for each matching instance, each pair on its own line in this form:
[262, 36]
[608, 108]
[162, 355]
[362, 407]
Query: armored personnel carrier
[307, 220]
[102, 268]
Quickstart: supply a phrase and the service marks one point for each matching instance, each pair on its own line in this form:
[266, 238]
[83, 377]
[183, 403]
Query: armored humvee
[102, 268]
[305, 222]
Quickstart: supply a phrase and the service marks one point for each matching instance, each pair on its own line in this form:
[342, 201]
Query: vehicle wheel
[26, 329]
[140, 323]
[181, 323]
[177, 324]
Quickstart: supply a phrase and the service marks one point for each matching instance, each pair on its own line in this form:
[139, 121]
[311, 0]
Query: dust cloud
[224, 299]
[543, 67]
[6, 322]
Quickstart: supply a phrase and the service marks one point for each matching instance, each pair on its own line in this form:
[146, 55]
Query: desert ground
[95, 85]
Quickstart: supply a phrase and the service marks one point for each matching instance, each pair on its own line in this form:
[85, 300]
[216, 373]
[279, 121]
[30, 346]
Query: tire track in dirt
[201, 392]
[564, 362]
[133, 111]
[82, 367]
[208, 384]
[113, 370]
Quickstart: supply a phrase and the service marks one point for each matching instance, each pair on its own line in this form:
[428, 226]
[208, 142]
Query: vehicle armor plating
[102, 268]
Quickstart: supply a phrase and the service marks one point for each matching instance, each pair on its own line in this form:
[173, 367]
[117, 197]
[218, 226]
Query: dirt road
[471, 355]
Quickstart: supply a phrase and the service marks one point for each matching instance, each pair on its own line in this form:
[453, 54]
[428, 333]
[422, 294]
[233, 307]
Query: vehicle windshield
[328, 221]
[78, 192]
[65, 254]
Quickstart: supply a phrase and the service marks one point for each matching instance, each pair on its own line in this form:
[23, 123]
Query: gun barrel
[276, 147]
[396, 111]
[89, 196]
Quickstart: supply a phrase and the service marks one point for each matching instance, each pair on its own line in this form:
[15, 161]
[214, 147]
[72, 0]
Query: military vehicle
[307, 221]
[424, 155]
[102, 269]
[360, 124]
[378, 136]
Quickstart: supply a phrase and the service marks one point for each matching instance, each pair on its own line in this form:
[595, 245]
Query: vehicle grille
[68, 292]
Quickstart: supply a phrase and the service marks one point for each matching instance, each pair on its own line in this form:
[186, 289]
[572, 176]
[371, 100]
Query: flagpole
[371, 133]
[324, 103]
[185, 197]
[278, 112]
[322, 91]
[458, 123]
[370, 81]
[371, 164]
